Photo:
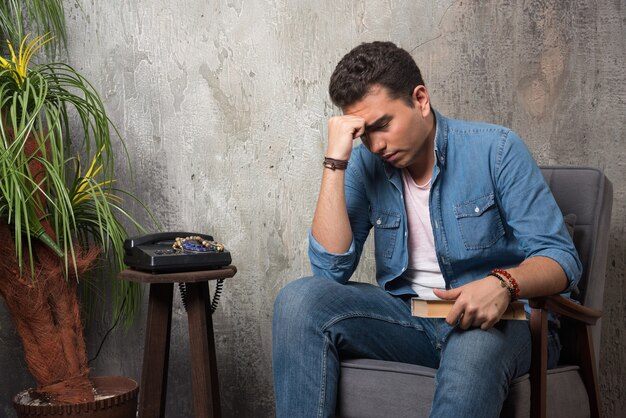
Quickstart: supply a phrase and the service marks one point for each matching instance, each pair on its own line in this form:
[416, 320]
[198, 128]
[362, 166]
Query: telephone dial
[172, 252]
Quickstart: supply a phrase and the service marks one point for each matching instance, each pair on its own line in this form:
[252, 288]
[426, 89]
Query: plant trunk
[46, 313]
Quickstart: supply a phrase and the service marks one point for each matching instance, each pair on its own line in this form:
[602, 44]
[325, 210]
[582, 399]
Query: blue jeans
[318, 322]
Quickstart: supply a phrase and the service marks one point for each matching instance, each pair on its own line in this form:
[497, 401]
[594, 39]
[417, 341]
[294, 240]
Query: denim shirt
[490, 207]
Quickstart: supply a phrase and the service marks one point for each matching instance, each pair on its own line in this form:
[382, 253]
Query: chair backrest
[587, 193]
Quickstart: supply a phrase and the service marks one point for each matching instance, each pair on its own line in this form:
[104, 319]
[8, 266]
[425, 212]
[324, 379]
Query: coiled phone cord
[214, 300]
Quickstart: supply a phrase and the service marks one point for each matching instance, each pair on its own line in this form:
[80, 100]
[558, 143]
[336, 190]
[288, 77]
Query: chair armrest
[566, 307]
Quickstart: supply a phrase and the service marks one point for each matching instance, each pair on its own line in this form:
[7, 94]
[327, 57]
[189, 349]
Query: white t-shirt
[423, 271]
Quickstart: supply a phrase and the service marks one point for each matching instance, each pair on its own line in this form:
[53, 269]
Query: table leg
[153, 388]
[203, 362]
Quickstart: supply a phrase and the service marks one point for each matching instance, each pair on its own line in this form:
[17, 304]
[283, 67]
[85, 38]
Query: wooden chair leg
[539, 362]
[588, 369]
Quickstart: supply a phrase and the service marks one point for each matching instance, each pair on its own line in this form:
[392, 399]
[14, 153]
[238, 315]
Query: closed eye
[379, 124]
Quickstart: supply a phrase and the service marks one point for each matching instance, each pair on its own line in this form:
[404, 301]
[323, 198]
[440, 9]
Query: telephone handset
[171, 252]
[159, 237]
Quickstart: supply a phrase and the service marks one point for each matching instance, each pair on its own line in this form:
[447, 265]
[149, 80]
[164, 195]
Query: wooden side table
[153, 389]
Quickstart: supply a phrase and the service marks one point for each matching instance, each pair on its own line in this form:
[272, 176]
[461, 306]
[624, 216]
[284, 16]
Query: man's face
[400, 134]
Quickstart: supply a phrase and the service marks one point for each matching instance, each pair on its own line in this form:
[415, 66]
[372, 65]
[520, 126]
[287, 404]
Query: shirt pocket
[479, 222]
[386, 226]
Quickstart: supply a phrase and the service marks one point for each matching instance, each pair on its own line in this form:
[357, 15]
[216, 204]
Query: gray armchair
[373, 388]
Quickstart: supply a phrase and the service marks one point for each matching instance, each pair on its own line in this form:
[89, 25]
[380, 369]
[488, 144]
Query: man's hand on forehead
[342, 131]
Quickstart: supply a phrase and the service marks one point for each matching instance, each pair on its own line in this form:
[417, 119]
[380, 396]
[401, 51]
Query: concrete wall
[223, 106]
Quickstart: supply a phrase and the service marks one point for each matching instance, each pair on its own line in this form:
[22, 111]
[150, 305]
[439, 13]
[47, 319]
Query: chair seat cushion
[375, 388]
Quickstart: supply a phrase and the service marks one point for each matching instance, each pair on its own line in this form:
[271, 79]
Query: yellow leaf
[13, 57]
[19, 62]
[5, 64]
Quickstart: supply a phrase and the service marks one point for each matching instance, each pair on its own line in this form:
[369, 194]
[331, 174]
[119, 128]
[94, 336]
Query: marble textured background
[223, 107]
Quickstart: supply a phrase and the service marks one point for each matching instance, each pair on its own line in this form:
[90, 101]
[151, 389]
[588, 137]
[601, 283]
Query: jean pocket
[386, 226]
[479, 222]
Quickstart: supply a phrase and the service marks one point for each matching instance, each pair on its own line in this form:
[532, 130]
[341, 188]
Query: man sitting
[460, 211]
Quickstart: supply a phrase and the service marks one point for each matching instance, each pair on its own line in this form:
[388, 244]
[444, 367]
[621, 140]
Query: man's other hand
[478, 304]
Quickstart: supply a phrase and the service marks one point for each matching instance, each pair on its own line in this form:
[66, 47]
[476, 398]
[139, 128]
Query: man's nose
[376, 142]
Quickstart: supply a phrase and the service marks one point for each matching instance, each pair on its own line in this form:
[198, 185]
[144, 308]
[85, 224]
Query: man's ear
[421, 99]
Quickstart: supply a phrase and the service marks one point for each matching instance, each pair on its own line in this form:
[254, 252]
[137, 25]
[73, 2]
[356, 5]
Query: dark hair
[374, 63]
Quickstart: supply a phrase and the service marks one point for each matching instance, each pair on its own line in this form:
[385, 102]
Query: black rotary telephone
[174, 252]
[159, 253]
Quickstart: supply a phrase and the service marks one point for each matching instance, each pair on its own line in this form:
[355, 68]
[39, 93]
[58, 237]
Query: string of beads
[197, 244]
[507, 281]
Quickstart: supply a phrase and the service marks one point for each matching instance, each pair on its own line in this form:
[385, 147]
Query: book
[441, 308]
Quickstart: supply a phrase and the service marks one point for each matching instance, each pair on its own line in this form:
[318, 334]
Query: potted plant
[59, 217]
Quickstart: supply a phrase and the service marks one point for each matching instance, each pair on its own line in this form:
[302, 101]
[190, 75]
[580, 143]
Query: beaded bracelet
[333, 164]
[504, 284]
[512, 282]
[197, 244]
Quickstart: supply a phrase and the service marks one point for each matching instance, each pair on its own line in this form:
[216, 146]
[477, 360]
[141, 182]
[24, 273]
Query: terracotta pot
[120, 402]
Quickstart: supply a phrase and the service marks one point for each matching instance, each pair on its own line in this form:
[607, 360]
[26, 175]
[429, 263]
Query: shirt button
[476, 209]
[378, 222]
